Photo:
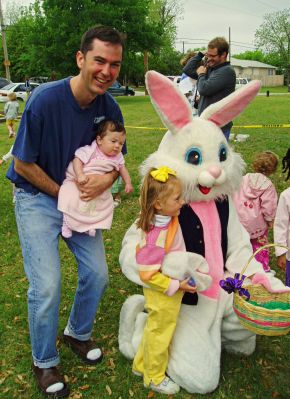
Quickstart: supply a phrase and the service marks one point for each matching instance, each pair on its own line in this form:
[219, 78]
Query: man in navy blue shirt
[60, 117]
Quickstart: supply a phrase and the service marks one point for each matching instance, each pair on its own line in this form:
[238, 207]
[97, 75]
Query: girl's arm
[268, 201]
[127, 179]
[150, 258]
[78, 169]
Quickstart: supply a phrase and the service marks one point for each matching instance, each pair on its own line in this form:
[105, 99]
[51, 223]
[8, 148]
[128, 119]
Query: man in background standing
[216, 78]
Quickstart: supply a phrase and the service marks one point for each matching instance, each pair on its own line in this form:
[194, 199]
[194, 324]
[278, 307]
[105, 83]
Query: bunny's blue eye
[193, 156]
[223, 153]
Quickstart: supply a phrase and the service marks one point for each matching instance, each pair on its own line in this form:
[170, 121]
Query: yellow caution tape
[270, 125]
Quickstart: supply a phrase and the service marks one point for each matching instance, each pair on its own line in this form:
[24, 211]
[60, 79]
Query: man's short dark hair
[103, 33]
[220, 44]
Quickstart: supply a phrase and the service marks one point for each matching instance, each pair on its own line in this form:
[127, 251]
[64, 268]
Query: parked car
[118, 90]
[174, 79]
[4, 82]
[38, 79]
[240, 82]
[18, 88]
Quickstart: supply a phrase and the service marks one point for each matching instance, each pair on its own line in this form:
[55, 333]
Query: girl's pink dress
[256, 204]
[83, 216]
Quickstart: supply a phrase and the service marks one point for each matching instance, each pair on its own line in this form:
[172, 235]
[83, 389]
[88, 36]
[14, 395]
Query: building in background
[257, 70]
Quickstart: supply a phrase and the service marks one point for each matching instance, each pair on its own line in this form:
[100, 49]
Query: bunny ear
[171, 105]
[231, 106]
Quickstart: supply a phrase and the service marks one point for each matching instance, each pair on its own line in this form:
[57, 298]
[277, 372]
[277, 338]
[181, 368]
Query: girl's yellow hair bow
[162, 173]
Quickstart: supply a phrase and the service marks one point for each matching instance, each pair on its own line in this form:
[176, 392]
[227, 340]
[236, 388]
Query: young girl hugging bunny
[256, 203]
[102, 156]
[282, 223]
[160, 201]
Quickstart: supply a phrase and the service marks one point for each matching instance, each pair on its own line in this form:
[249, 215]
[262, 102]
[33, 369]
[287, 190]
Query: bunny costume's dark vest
[192, 231]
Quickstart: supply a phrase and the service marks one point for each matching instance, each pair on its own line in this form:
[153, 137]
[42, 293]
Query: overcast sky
[203, 20]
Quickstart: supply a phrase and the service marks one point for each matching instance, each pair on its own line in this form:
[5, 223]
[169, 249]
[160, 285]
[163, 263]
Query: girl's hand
[281, 261]
[184, 286]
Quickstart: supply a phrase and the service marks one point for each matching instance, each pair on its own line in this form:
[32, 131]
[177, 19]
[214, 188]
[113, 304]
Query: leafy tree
[46, 35]
[273, 36]
[256, 55]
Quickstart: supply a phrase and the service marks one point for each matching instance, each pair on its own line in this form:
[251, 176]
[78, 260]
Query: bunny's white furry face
[196, 148]
[203, 160]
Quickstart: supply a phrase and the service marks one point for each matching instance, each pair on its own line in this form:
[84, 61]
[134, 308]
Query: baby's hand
[186, 286]
[82, 179]
[128, 188]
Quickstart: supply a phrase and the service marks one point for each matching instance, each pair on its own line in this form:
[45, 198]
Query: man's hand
[96, 185]
[201, 70]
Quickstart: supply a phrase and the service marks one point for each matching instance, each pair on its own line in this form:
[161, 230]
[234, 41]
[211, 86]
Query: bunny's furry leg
[194, 362]
[130, 324]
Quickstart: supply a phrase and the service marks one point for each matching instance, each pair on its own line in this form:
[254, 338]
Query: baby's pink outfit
[256, 204]
[87, 216]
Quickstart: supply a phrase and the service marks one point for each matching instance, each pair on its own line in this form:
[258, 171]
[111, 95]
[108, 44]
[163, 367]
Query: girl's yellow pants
[152, 356]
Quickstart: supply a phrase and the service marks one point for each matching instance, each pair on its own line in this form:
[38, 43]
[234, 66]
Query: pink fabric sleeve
[269, 200]
[282, 223]
[84, 153]
[173, 287]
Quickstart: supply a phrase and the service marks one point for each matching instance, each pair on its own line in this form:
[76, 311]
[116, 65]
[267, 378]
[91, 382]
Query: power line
[268, 5]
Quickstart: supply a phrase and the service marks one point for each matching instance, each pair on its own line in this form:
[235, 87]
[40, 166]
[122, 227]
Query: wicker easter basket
[258, 318]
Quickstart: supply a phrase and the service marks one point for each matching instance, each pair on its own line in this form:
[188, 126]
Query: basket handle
[260, 249]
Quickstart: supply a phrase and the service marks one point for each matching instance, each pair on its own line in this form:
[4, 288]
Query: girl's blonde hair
[151, 191]
[12, 96]
[266, 162]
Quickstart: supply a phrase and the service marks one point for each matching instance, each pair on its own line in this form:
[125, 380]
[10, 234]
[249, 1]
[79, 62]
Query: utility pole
[229, 43]
[6, 60]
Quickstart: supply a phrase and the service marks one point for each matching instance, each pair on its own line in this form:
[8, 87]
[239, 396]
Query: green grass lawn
[262, 375]
[275, 89]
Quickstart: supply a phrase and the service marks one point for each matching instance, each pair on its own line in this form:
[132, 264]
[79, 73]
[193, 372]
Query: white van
[240, 82]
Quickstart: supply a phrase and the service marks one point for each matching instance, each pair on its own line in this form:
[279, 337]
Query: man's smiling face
[99, 67]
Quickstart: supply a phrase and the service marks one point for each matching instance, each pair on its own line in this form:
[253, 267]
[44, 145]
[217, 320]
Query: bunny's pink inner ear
[231, 106]
[169, 102]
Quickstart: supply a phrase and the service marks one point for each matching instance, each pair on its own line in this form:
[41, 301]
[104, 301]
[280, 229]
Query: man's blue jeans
[39, 226]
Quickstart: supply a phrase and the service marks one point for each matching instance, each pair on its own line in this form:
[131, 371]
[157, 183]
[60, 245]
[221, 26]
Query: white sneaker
[167, 386]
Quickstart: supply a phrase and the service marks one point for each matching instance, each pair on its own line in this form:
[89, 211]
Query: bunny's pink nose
[215, 171]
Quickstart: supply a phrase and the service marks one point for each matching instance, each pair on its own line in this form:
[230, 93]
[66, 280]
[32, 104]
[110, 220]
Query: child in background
[282, 223]
[7, 156]
[188, 85]
[256, 203]
[11, 111]
[101, 157]
[160, 200]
